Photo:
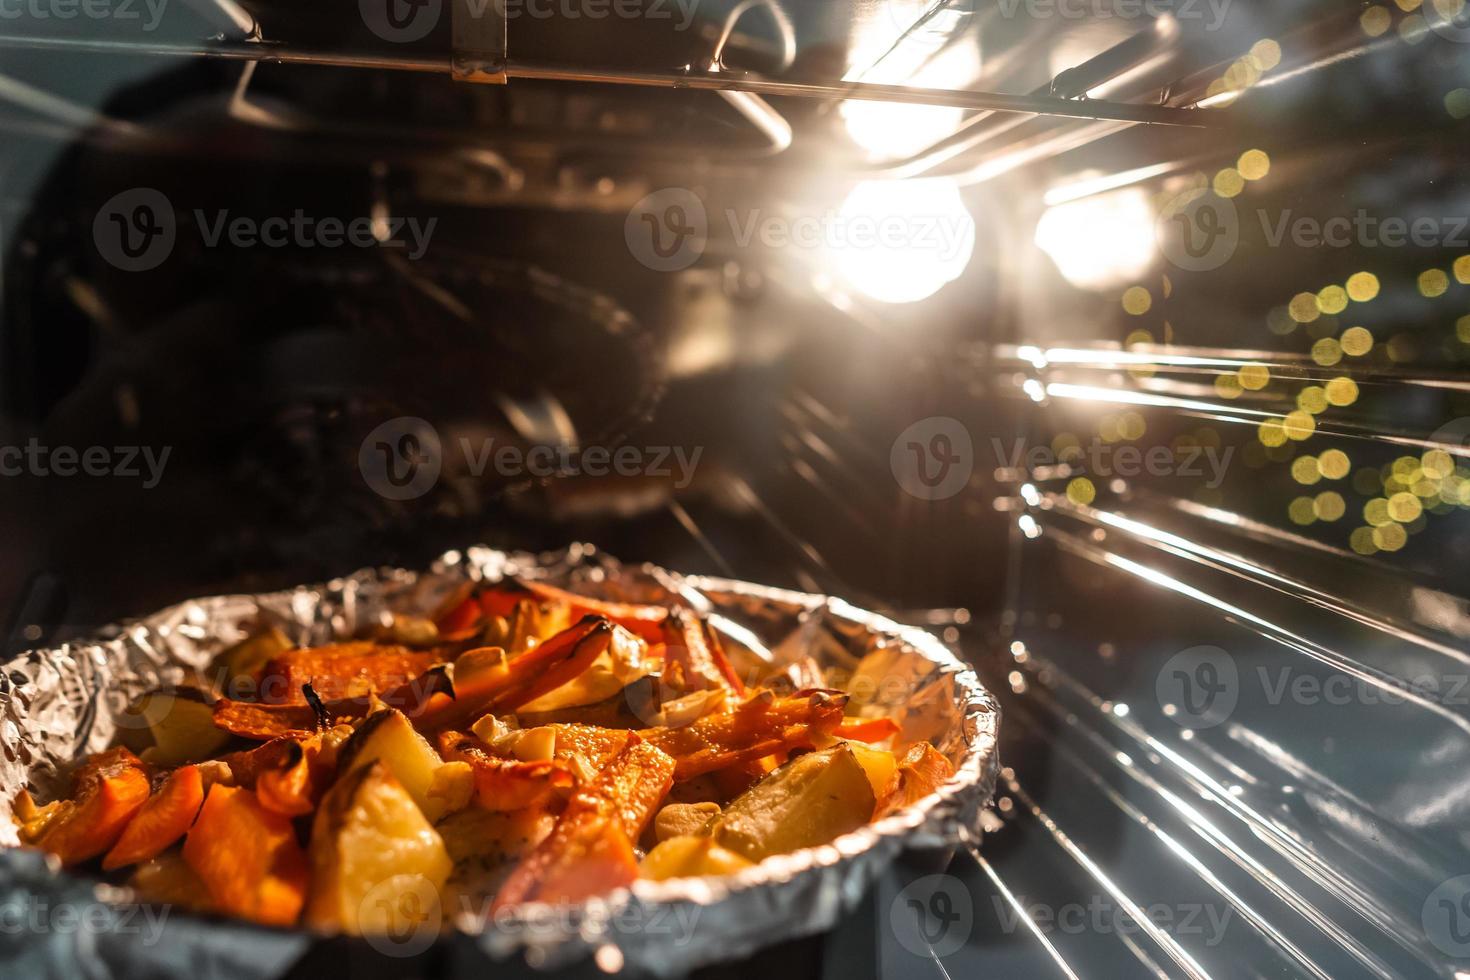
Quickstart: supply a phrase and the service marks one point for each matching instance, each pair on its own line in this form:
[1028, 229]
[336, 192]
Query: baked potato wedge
[172, 726]
[811, 800]
[370, 847]
[388, 736]
[690, 856]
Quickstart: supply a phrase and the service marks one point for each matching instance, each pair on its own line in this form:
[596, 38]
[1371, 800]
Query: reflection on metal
[64, 111]
[279, 54]
[228, 16]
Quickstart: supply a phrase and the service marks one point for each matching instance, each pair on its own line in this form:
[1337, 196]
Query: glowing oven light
[1100, 242]
[894, 130]
[901, 241]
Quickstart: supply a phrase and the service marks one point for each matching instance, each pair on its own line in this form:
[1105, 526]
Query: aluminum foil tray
[57, 705]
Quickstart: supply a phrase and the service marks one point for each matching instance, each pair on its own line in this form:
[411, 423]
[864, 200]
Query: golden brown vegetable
[921, 771]
[179, 723]
[107, 791]
[590, 851]
[683, 819]
[387, 736]
[377, 866]
[346, 670]
[247, 858]
[506, 784]
[161, 821]
[694, 660]
[759, 727]
[811, 800]
[690, 857]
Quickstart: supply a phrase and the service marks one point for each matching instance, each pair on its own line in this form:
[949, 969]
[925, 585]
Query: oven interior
[1194, 505]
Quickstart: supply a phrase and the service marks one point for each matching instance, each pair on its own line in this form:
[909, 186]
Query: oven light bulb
[901, 241]
[1100, 242]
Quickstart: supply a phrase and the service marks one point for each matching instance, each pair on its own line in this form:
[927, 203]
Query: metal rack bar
[720, 81]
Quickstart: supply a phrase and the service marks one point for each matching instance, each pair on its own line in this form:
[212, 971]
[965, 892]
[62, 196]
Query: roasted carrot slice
[643, 621]
[693, 656]
[488, 681]
[269, 721]
[247, 857]
[921, 771]
[161, 821]
[505, 784]
[246, 766]
[346, 670]
[461, 621]
[288, 789]
[590, 852]
[874, 730]
[761, 726]
[594, 746]
[108, 791]
[483, 680]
